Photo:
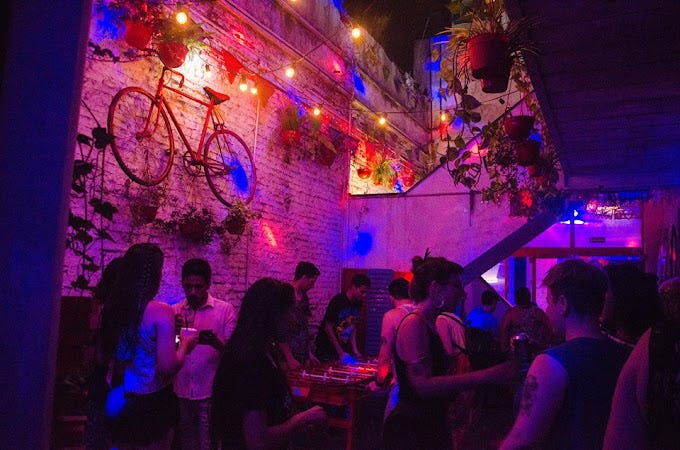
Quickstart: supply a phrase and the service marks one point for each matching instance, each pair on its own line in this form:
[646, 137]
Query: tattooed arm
[541, 399]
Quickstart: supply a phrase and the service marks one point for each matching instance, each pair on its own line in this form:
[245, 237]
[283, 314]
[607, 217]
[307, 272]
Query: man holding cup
[213, 320]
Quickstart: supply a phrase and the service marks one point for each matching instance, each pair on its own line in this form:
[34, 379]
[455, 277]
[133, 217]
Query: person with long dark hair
[419, 420]
[138, 342]
[251, 398]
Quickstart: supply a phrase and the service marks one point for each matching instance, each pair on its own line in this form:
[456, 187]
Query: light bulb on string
[444, 117]
[316, 111]
[356, 32]
[243, 84]
[290, 71]
[181, 16]
[253, 89]
[382, 120]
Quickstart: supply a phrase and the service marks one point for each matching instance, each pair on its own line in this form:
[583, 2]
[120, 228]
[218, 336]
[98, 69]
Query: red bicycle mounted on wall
[143, 142]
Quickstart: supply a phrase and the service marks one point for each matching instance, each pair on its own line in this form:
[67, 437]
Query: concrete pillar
[42, 70]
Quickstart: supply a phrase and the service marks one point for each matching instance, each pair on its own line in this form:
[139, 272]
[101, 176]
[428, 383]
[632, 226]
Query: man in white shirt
[215, 320]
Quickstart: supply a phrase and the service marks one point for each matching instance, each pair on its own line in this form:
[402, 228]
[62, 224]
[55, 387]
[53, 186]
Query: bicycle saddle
[215, 96]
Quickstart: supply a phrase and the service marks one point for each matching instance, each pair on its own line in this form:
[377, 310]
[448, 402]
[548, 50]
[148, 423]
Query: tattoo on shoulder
[528, 394]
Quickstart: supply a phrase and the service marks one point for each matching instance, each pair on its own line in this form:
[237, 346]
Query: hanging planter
[527, 152]
[235, 224]
[172, 54]
[364, 173]
[534, 170]
[326, 155]
[488, 54]
[194, 230]
[518, 127]
[291, 137]
[144, 212]
[138, 34]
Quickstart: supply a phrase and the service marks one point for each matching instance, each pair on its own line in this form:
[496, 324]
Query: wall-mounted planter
[527, 152]
[364, 173]
[172, 54]
[291, 137]
[518, 128]
[137, 34]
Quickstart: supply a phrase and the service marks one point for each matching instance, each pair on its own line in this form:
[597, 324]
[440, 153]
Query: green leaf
[106, 209]
[103, 234]
[84, 237]
[90, 267]
[81, 283]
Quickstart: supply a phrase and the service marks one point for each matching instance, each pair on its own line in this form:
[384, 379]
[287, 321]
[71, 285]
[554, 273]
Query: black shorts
[145, 418]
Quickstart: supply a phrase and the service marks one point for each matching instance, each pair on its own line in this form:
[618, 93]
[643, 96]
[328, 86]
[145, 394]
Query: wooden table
[334, 384]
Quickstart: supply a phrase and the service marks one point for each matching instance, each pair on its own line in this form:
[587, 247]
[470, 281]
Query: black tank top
[440, 364]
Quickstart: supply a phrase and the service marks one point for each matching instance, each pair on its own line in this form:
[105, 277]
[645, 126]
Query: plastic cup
[187, 332]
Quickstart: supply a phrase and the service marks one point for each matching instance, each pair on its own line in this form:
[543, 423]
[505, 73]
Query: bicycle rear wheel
[142, 138]
[229, 167]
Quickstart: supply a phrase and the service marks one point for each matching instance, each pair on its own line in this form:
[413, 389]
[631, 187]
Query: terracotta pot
[137, 34]
[364, 172]
[488, 55]
[527, 152]
[518, 127]
[172, 54]
[235, 224]
[192, 231]
[326, 156]
[144, 213]
[408, 180]
[290, 137]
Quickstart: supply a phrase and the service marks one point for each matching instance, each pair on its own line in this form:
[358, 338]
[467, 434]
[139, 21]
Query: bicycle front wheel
[229, 167]
[142, 138]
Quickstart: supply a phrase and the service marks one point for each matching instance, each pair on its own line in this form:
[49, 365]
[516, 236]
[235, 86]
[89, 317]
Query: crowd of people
[199, 375]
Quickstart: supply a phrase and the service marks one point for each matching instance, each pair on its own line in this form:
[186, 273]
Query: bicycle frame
[162, 85]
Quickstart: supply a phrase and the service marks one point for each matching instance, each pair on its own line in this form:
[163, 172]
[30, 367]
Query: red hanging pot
[488, 55]
[137, 34]
[495, 85]
[290, 137]
[172, 54]
[193, 231]
[364, 172]
[326, 156]
[235, 224]
[518, 127]
[527, 152]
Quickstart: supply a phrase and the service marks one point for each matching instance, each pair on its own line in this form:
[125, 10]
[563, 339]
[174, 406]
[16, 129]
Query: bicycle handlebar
[167, 69]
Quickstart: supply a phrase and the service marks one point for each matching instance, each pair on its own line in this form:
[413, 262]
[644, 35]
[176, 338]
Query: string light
[290, 72]
[444, 117]
[356, 32]
[316, 111]
[181, 17]
[253, 89]
[243, 84]
[382, 120]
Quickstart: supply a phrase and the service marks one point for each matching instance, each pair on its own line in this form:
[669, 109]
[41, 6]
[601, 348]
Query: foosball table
[334, 384]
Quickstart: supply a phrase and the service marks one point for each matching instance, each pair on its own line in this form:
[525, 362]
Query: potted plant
[363, 172]
[291, 122]
[145, 206]
[518, 127]
[383, 172]
[194, 225]
[174, 40]
[237, 218]
[488, 45]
